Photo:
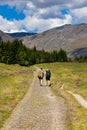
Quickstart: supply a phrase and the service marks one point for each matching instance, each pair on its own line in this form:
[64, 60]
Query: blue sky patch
[11, 13]
[65, 11]
[38, 17]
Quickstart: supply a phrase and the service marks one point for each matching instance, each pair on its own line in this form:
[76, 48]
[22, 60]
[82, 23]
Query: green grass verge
[73, 76]
[14, 83]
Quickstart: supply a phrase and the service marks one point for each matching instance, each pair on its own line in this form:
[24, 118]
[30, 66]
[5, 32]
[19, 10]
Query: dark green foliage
[17, 53]
[81, 59]
[54, 56]
[62, 55]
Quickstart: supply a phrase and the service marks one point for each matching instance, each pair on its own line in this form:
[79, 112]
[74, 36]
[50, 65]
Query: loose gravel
[40, 109]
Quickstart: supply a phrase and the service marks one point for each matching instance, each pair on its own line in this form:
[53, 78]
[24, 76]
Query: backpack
[48, 74]
[40, 74]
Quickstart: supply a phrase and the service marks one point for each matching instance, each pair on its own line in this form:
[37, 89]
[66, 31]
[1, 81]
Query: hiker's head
[41, 68]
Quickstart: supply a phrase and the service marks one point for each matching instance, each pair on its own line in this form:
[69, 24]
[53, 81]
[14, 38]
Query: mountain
[11, 36]
[20, 34]
[71, 38]
[79, 52]
[5, 37]
[67, 37]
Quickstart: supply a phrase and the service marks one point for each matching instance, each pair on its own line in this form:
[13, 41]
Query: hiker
[40, 76]
[48, 76]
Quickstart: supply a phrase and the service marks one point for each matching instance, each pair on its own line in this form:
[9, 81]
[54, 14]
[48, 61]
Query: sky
[40, 15]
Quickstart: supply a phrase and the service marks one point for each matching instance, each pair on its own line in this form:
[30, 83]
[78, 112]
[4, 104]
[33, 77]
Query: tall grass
[73, 77]
[14, 83]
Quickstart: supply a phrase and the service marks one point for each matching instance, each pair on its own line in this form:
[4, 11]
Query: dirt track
[39, 110]
[80, 99]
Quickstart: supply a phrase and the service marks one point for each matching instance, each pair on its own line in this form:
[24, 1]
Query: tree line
[81, 59]
[17, 53]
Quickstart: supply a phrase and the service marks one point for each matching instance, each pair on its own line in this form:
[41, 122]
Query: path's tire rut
[39, 110]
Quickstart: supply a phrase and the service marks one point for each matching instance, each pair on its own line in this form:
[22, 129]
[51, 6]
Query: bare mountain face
[79, 52]
[72, 38]
[5, 37]
[67, 37]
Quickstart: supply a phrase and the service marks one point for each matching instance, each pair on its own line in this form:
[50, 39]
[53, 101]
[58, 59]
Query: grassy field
[73, 76]
[14, 83]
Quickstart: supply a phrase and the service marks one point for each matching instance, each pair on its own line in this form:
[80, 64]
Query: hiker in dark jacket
[48, 76]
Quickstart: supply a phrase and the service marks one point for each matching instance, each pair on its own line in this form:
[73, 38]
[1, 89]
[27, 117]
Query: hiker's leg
[46, 82]
[40, 81]
[49, 83]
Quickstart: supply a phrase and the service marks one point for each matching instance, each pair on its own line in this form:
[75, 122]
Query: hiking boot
[49, 85]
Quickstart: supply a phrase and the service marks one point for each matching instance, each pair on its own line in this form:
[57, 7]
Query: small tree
[62, 55]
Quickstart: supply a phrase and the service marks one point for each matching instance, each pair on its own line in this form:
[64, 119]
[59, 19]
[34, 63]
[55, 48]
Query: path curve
[39, 110]
[80, 99]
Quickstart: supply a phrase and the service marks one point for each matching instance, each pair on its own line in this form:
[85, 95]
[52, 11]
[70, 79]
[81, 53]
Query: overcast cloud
[41, 15]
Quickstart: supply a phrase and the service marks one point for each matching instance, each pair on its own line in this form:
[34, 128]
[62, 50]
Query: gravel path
[80, 99]
[39, 110]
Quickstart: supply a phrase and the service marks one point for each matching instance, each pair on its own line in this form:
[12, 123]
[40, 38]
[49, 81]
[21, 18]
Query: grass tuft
[14, 84]
[73, 77]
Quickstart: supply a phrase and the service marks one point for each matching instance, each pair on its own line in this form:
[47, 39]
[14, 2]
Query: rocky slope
[72, 38]
[68, 37]
[79, 52]
[5, 37]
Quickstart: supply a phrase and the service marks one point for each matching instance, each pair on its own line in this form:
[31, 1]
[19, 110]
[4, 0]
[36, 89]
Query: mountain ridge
[5, 37]
[71, 38]
[67, 37]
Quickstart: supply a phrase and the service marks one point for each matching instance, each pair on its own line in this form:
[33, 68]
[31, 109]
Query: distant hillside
[71, 38]
[67, 37]
[79, 52]
[20, 34]
[5, 37]
[11, 36]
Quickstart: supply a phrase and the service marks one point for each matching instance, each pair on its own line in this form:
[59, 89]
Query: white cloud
[32, 23]
[59, 22]
[30, 5]
[9, 26]
[44, 14]
[42, 1]
[80, 14]
[52, 12]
